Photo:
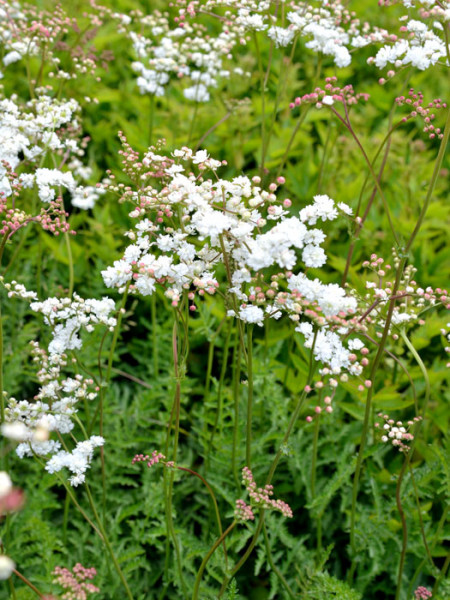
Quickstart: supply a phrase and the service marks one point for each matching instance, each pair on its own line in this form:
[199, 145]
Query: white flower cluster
[67, 316]
[330, 297]
[411, 300]
[15, 49]
[422, 45]
[189, 230]
[327, 345]
[328, 27]
[54, 408]
[228, 213]
[77, 461]
[395, 432]
[187, 52]
[328, 349]
[29, 133]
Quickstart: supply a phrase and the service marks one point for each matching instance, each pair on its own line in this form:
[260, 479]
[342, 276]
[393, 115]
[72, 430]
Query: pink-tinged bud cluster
[422, 593]
[261, 497]
[325, 400]
[52, 218]
[76, 582]
[154, 459]
[411, 300]
[55, 37]
[330, 94]
[243, 512]
[394, 431]
[415, 103]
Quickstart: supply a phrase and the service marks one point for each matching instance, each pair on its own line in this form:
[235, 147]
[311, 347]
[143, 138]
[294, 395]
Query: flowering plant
[223, 238]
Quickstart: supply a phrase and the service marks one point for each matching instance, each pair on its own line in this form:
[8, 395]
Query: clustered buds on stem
[76, 582]
[261, 497]
[395, 432]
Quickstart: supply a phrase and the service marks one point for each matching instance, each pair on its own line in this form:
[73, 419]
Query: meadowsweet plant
[223, 257]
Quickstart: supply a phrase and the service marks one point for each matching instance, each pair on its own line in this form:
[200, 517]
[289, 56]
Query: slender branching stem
[108, 544]
[273, 467]
[273, 566]
[28, 583]
[248, 442]
[207, 557]
[367, 413]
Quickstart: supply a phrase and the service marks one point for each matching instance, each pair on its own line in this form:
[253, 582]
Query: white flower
[16, 431]
[345, 208]
[313, 256]
[198, 92]
[355, 344]
[117, 275]
[251, 21]
[7, 566]
[11, 57]
[328, 100]
[281, 36]
[330, 297]
[252, 314]
[5, 484]
[145, 285]
[200, 157]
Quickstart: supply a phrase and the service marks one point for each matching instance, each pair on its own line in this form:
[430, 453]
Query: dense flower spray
[235, 224]
[54, 408]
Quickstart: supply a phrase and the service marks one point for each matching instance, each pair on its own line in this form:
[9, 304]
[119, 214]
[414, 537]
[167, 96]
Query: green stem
[65, 517]
[248, 442]
[2, 246]
[216, 507]
[373, 372]
[348, 126]
[299, 123]
[191, 128]
[236, 394]
[70, 259]
[218, 417]
[169, 495]
[108, 544]
[212, 129]
[300, 120]
[441, 575]
[280, 91]
[208, 556]
[313, 478]
[154, 337]
[275, 569]
[437, 534]
[151, 118]
[102, 396]
[422, 368]
[276, 460]
[434, 177]
[116, 333]
[407, 462]
[73, 498]
[419, 512]
[263, 103]
[324, 157]
[28, 583]
[404, 526]
[12, 589]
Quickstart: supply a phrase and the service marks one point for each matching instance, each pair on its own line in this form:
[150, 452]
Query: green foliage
[315, 480]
